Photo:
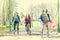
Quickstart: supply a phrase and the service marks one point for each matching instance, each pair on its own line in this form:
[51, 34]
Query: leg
[47, 30]
[10, 27]
[30, 25]
[29, 31]
[18, 28]
[28, 28]
[14, 27]
[43, 29]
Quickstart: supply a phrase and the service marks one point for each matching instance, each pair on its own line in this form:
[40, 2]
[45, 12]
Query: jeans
[16, 25]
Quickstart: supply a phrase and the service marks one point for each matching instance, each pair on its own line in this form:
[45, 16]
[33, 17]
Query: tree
[7, 10]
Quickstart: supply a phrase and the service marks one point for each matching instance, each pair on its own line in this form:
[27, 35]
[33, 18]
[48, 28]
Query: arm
[12, 19]
[40, 17]
[19, 19]
[49, 17]
[24, 20]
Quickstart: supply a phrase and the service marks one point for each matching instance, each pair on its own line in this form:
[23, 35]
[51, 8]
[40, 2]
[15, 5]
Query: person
[45, 18]
[28, 24]
[16, 21]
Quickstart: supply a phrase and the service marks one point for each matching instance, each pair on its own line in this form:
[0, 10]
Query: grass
[3, 28]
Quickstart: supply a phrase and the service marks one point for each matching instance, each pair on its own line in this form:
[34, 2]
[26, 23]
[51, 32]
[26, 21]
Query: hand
[51, 21]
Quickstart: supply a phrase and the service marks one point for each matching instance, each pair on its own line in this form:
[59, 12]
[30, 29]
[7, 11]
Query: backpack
[45, 18]
[15, 19]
